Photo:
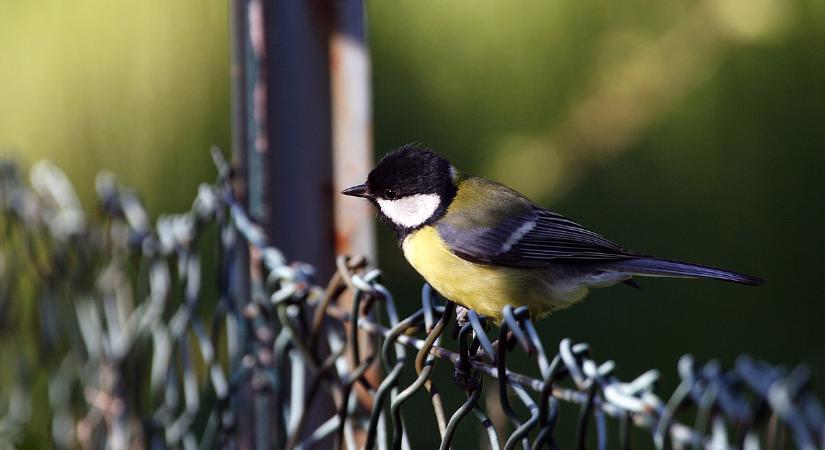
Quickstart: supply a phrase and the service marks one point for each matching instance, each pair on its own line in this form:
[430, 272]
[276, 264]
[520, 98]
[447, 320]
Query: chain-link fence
[148, 345]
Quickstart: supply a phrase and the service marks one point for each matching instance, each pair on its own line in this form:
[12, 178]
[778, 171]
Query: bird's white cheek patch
[410, 211]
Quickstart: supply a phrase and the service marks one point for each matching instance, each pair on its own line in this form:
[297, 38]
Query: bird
[484, 245]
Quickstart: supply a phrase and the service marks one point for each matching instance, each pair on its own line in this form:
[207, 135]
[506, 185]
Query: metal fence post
[301, 114]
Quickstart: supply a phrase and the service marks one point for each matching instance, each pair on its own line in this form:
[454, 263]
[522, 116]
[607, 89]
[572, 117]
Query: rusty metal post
[282, 129]
[301, 114]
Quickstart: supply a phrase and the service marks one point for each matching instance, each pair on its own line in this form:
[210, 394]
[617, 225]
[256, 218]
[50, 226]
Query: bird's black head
[411, 170]
[411, 186]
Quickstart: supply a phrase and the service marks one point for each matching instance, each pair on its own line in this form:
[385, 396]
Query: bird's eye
[390, 194]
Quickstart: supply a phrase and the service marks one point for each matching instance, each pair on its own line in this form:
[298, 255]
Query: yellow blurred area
[140, 88]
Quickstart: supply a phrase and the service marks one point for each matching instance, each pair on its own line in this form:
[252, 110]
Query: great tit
[484, 245]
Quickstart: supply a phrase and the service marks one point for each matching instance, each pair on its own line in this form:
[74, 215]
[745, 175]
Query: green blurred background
[691, 130]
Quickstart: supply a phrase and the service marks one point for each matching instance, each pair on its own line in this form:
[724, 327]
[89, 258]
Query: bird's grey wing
[492, 224]
[514, 232]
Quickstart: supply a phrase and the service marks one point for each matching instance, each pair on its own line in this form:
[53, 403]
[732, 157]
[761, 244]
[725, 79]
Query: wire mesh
[145, 346]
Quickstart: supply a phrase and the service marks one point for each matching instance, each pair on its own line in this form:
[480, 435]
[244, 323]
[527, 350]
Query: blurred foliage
[690, 130]
[141, 89]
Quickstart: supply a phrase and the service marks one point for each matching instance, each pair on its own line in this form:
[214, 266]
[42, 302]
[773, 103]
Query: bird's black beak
[357, 191]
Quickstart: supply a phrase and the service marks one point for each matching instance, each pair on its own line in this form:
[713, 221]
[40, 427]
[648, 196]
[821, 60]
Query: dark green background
[692, 130]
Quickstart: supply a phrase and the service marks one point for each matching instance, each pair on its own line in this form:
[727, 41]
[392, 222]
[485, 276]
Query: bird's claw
[462, 315]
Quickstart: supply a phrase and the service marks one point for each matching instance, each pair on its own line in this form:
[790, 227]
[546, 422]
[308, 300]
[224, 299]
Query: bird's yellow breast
[484, 288]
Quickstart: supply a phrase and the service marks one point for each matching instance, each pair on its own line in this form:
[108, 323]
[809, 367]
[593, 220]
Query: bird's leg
[461, 318]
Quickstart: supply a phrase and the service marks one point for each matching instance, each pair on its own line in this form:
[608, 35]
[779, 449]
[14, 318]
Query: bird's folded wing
[505, 228]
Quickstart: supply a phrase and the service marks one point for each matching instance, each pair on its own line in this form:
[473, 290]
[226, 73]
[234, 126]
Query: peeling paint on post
[351, 128]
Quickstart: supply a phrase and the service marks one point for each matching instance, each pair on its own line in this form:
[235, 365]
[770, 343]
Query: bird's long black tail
[656, 267]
